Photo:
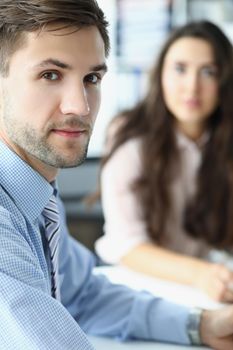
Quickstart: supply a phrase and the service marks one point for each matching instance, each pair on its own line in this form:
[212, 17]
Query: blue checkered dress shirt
[30, 319]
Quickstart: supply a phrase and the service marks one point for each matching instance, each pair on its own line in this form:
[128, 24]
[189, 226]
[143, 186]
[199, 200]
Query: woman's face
[190, 84]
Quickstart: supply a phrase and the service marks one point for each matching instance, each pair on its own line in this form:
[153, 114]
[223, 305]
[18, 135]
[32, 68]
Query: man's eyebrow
[99, 67]
[60, 64]
[54, 62]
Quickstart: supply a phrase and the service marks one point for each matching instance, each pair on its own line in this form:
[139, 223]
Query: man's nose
[75, 101]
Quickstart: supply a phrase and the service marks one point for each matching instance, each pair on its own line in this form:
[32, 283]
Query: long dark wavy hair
[209, 213]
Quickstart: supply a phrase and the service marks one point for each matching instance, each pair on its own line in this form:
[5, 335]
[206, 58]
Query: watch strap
[193, 326]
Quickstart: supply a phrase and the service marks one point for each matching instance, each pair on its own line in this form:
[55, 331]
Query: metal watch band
[193, 326]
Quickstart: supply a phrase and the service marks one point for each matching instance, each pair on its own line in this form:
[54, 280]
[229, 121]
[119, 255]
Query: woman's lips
[192, 103]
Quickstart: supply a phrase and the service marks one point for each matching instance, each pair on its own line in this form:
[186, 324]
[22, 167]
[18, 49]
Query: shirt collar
[29, 190]
[185, 142]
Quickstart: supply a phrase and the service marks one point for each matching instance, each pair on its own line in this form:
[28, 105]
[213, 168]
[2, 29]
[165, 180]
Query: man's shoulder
[19, 257]
[10, 216]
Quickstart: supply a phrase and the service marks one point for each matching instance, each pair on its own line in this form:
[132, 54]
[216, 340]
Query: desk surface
[172, 291]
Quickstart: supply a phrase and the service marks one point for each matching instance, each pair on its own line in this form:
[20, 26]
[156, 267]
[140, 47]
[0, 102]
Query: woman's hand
[217, 281]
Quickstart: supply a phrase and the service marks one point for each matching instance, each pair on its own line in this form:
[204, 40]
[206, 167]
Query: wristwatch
[193, 326]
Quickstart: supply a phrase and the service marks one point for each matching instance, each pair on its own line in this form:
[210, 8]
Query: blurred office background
[137, 31]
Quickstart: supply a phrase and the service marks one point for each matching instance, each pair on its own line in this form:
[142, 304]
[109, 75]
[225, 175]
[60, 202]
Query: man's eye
[53, 76]
[93, 78]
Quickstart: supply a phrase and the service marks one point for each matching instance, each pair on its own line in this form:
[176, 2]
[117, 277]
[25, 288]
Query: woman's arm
[213, 279]
[126, 239]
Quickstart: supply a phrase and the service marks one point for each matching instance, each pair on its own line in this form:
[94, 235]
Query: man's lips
[69, 132]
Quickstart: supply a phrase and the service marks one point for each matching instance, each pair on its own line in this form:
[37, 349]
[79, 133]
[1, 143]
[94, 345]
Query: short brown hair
[20, 16]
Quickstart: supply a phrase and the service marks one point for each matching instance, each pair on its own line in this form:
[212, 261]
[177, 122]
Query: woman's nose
[192, 82]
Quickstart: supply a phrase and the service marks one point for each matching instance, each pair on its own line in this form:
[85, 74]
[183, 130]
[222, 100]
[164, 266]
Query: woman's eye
[180, 68]
[53, 76]
[209, 72]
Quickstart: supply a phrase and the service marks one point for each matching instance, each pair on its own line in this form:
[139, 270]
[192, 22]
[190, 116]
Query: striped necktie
[52, 234]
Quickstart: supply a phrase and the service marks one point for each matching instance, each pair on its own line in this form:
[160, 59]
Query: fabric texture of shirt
[125, 227]
[30, 319]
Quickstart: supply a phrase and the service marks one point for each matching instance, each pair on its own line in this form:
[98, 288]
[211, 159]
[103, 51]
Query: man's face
[51, 97]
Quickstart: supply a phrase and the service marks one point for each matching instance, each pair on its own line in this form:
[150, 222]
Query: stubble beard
[38, 147]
